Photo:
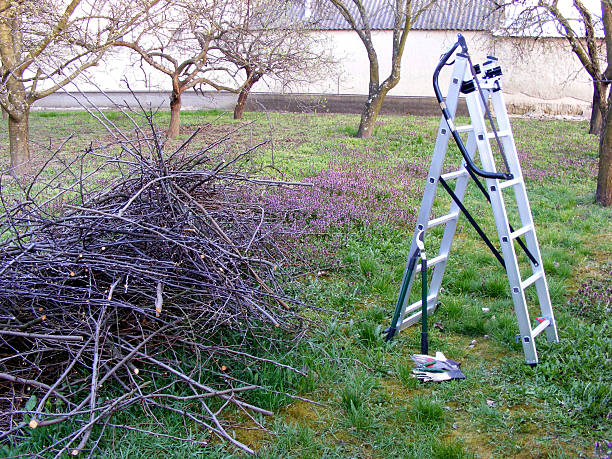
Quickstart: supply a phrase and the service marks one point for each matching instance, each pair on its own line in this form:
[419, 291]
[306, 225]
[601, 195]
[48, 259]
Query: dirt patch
[251, 435]
[526, 439]
[303, 412]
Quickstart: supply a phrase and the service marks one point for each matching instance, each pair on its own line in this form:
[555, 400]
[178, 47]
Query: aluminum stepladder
[479, 89]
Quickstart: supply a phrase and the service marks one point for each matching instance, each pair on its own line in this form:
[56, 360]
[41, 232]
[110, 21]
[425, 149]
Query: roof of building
[442, 15]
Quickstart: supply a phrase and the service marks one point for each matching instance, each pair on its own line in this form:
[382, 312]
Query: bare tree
[179, 43]
[272, 39]
[212, 43]
[46, 44]
[579, 25]
[603, 195]
[359, 14]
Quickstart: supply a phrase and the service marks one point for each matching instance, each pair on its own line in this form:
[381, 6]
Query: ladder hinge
[494, 72]
[468, 87]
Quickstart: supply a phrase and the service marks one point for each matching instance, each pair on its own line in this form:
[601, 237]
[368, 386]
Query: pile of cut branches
[142, 288]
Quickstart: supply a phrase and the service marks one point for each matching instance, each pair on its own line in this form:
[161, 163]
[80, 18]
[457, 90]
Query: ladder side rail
[451, 226]
[498, 103]
[524, 208]
[552, 335]
[507, 135]
[475, 108]
[445, 245]
[441, 146]
[520, 191]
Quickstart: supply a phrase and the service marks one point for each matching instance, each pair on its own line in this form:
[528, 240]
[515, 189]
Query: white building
[542, 75]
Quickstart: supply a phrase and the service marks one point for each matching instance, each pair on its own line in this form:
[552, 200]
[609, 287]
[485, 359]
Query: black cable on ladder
[486, 194]
[475, 225]
[447, 116]
[472, 169]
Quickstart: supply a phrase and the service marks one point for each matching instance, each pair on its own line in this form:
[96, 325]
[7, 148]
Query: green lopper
[419, 251]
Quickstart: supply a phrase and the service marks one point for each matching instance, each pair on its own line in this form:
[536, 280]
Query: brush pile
[144, 290]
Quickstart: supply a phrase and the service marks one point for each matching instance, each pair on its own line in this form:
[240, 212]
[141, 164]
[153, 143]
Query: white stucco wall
[546, 74]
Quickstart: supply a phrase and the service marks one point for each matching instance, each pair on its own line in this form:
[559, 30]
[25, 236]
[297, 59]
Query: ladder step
[519, 232]
[416, 316]
[504, 133]
[531, 279]
[509, 183]
[443, 219]
[431, 263]
[454, 174]
[466, 128]
[540, 328]
[417, 304]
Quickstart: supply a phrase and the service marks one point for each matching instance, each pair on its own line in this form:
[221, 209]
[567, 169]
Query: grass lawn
[360, 213]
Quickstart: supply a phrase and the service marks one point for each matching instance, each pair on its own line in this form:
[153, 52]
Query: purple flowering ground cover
[369, 184]
[355, 187]
[347, 238]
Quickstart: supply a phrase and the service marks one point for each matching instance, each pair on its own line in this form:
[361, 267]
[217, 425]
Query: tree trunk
[19, 134]
[598, 108]
[242, 98]
[596, 118]
[175, 114]
[604, 178]
[252, 78]
[370, 113]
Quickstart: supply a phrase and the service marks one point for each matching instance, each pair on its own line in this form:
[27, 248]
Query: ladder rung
[454, 174]
[416, 317]
[431, 263]
[519, 232]
[466, 128]
[509, 183]
[413, 318]
[531, 279]
[540, 328]
[504, 133]
[443, 219]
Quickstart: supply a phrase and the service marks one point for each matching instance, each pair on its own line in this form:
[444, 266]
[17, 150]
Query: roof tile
[443, 15]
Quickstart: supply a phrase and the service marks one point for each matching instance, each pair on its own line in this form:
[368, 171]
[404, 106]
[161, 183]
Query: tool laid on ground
[481, 85]
[437, 368]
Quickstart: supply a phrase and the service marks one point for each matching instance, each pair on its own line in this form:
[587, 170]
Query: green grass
[427, 412]
[370, 404]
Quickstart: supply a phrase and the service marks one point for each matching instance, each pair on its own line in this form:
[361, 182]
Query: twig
[41, 336]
